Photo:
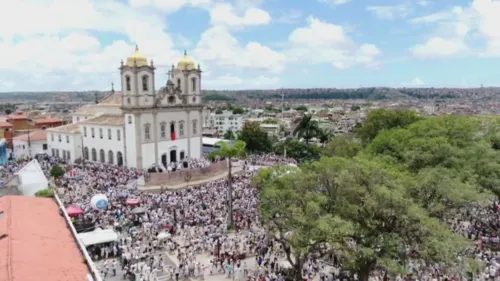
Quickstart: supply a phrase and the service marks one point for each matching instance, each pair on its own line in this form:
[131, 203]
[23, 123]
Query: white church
[139, 127]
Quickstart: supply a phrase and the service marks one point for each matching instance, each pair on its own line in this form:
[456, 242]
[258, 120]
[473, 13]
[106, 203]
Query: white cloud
[456, 25]
[224, 14]
[219, 47]
[423, 3]
[417, 81]
[290, 16]
[335, 2]
[432, 18]
[333, 46]
[390, 12]
[168, 5]
[438, 47]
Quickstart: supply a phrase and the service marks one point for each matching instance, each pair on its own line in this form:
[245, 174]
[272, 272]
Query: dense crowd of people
[174, 230]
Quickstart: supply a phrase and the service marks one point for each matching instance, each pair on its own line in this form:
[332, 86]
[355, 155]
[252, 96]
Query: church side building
[141, 127]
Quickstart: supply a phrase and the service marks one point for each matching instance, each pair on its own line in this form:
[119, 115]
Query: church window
[181, 128]
[118, 135]
[130, 119]
[178, 82]
[102, 156]
[52, 137]
[194, 99]
[67, 139]
[195, 130]
[109, 134]
[172, 128]
[59, 138]
[147, 132]
[193, 84]
[171, 99]
[85, 131]
[163, 130]
[101, 135]
[92, 132]
[127, 83]
[144, 82]
[129, 101]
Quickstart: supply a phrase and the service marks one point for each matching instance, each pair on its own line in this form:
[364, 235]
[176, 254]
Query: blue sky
[241, 44]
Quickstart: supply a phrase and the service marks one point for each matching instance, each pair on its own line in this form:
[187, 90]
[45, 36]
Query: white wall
[130, 145]
[74, 146]
[104, 143]
[21, 148]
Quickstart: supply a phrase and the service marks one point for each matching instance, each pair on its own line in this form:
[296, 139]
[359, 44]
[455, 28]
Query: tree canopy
[256, 139]
[387, 202]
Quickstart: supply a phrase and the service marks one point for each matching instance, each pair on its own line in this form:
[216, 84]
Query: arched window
[127, 83]
[144, 82]
[181, 128]
[102, 156]
[147, 132]
[193, 84]
[171, 99]
[110, 157]
[94, 154]
[130, 119]
[178, 82]
[172, 131]
[119, 159]
[195, 129]
[129, 101]
[86, 153]
[163, 130]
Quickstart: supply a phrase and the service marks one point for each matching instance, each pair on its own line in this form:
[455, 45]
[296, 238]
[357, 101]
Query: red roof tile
[17, 116]
[39, 245]
[48, 120]
[33, 136]
[5, 125]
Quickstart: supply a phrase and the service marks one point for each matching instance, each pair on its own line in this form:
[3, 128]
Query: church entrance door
[173, 156]
[164, 160]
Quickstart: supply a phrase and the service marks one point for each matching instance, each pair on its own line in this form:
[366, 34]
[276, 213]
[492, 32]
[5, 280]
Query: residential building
[227, 121]
[19, 121]
[44, 123]
[30, 144]
[66, 141]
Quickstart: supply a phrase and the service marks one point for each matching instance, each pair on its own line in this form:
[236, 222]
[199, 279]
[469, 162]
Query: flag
[173, 135]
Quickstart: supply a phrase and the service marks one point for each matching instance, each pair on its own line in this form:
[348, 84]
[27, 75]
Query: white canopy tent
[31, 178]
[98, 236]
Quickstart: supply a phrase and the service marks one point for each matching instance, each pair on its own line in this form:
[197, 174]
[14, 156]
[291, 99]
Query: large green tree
[393, 197]
[298, 150]
[384, 119]
[256, 139]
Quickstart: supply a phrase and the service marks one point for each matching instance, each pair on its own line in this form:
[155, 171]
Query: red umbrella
[132, 201]
[74, 211]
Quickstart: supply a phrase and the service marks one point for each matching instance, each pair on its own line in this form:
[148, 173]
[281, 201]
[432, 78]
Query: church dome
[137, 59]
[186, 63]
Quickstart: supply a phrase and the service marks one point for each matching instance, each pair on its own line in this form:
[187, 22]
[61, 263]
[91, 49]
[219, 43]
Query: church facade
[141, 126]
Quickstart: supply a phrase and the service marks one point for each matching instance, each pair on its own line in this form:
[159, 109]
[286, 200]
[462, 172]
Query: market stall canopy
[133, 201]
[98, 236]
[74, 211]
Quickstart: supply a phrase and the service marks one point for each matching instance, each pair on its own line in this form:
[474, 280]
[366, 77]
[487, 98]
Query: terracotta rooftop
[4, 124]
[37, 249]
[33, 136]
[70, 128]
[105, 119]
[48, 120]
[17, 116]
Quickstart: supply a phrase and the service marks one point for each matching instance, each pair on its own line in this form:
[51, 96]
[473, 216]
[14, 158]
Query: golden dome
[137, 59]
[186, 63]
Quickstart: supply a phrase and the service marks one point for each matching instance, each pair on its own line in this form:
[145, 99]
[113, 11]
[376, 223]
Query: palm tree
[307, 128]
[230, 151]
[324, 136]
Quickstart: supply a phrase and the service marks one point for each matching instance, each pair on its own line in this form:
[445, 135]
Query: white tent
[32, 179]
[98, 236]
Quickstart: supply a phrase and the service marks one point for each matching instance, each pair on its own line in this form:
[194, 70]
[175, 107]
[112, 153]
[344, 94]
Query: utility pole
[29, 144]
[96, 98]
